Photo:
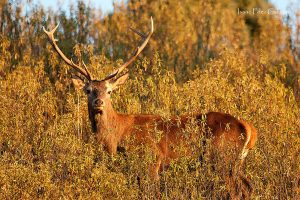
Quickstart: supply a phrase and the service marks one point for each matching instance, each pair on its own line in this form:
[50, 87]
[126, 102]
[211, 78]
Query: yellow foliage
[48, 150]
[202, 57]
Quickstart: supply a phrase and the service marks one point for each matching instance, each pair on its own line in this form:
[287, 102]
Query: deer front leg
[112, 148]
[154, 169]
[110, 144]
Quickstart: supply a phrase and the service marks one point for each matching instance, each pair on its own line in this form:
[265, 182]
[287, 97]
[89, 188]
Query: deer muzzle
[98, 104]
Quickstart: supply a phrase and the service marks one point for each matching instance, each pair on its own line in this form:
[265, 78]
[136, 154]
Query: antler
[84, 71]
[138, 50]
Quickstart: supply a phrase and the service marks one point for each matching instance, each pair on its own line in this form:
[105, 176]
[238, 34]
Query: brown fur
[112, 128]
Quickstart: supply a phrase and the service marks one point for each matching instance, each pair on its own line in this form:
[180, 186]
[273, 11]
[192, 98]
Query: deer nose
[98, 102]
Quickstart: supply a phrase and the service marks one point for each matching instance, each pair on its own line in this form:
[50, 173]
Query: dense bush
[195, 62]
[50, 152]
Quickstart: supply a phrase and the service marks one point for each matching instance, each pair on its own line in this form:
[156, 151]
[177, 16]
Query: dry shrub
[49, 152]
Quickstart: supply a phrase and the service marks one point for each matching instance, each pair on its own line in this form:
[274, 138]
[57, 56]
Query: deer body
[112, 128]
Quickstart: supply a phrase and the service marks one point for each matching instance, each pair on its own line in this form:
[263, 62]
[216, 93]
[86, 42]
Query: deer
[111, 127]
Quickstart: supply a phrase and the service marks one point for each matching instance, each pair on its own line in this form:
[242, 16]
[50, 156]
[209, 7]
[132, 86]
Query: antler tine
[137, 32]
[87, 71]
[50, 35]
[138, 50]
[79, 77]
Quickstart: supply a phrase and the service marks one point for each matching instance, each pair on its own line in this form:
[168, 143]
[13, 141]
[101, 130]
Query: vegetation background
[204, 56]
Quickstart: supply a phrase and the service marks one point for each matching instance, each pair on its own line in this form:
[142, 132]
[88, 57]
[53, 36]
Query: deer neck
[105, 121]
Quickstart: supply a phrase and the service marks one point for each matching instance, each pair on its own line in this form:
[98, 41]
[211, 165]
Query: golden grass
[47, 149]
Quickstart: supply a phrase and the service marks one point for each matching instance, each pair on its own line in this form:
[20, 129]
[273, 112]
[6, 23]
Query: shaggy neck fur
[105, 121]
[109, 127]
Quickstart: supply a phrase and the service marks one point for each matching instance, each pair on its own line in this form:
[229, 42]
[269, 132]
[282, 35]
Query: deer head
[99, 91]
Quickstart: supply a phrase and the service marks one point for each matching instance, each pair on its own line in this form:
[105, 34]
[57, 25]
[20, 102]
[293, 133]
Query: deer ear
[119, 81]
[78, 83]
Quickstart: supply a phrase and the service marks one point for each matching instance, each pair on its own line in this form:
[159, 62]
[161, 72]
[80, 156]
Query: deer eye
[88, 90]
[108, 92]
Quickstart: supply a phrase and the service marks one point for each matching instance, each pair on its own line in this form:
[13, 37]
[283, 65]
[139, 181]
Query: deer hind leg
[247, 187]
[239, 186]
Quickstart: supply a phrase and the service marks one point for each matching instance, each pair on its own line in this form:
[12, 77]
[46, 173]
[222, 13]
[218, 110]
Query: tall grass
[47, 149]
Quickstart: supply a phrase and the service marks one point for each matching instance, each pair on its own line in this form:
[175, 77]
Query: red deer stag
[111, 127]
